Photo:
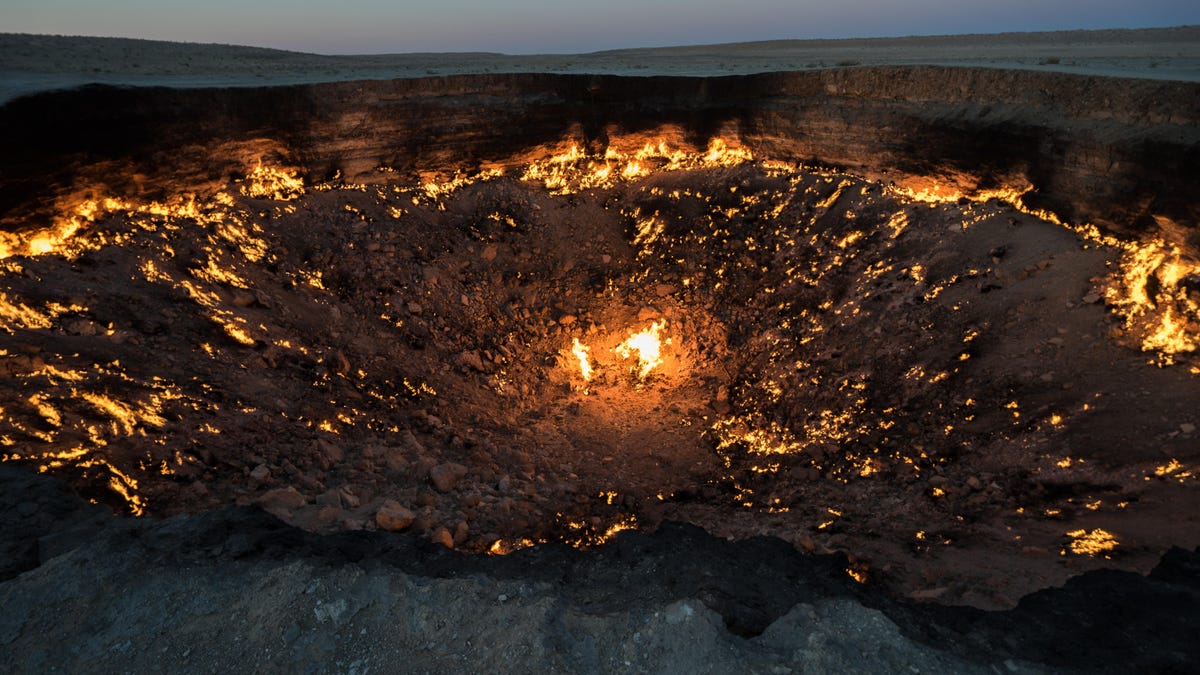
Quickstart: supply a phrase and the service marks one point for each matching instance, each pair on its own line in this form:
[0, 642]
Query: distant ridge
[32, 63]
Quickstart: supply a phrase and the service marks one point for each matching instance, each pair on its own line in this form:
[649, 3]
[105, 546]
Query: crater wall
[1122, 154]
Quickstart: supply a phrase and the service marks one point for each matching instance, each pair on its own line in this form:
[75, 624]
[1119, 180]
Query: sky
[561, 26]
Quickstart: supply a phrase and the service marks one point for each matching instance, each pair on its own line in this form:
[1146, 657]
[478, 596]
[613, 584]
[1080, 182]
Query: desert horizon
[32, 63]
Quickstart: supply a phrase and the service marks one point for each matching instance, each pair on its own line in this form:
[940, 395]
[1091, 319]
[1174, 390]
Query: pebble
[1187, 427]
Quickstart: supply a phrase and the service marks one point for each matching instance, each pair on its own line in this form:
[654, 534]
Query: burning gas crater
[572, 343]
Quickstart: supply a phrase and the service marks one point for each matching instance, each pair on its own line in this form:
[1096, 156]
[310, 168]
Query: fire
[580, 351]
[1092, 542]
[272, 183]
[1149, 293]
[570, 168]
[648, 347]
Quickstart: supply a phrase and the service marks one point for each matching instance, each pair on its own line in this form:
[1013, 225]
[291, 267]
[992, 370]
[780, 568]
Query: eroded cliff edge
[1122, 154]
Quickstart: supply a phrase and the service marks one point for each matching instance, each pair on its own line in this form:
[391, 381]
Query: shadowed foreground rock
[237, 589]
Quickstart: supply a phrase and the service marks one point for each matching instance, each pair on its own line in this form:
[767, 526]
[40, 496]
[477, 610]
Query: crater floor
[971, 402]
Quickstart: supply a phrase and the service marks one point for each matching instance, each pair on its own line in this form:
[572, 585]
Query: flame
[648, 347]
[1092, 542]
[1148, 292]
[272, 183]
[580, 351]
[569, 168]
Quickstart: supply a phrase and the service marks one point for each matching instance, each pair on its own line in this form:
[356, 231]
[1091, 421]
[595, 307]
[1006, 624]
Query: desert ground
[36, 62]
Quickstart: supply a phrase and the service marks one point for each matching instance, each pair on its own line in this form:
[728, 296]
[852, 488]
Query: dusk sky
[545, 26]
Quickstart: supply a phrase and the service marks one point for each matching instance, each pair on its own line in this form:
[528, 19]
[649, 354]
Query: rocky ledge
[237, 589]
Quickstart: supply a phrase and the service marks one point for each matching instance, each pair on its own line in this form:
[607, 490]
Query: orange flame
[647, 346]
[580, 351]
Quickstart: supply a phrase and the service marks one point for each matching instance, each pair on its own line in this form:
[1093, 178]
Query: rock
[928, 594]
[1187, 428]
[489, 253]
[348, 497]
[281, 502]
[410, 443]
[442, 536]
[567, 319]
[446, 476]
[333, 454]
[242, 298]
[341, 365]
[395, 461]
[1091, 298]
[648, 314]
[393, 517]
[973, 483]
[470, 360]
[261, 473]
[415, 308]
[80, 326]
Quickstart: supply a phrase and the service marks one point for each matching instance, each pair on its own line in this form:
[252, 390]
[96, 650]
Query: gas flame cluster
[270, 182]
[644, 347]
[1149, 290]
[572, 169]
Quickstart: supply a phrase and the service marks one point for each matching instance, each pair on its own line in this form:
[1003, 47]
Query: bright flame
[580, 351]
[648, 347]
[272, 183]
[1092, 542]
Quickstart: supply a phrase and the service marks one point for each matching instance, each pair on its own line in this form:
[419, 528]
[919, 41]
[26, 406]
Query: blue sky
[544, 26]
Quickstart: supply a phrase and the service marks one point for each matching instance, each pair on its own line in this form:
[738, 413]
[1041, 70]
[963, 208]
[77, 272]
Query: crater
[955, 342]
